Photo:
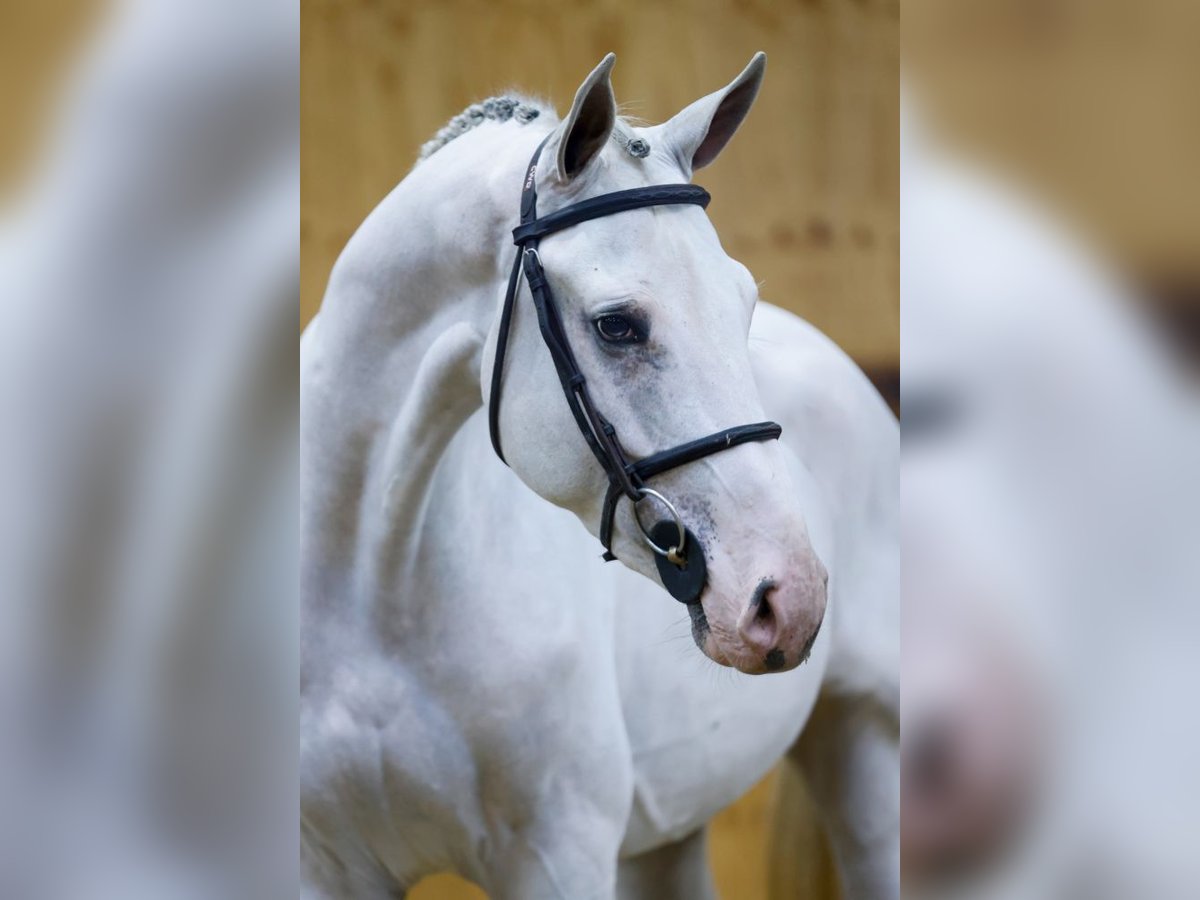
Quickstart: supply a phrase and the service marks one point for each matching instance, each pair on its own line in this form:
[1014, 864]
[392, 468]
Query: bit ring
[673, 553]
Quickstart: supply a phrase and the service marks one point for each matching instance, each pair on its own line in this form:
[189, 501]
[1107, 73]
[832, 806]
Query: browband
[609, 204]
[625, 477]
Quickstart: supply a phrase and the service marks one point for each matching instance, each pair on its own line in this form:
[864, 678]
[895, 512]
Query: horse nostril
[759, 625]
[759, 602]
[764, 612]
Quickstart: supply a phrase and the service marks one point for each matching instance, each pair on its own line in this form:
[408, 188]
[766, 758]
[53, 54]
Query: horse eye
[617, 329]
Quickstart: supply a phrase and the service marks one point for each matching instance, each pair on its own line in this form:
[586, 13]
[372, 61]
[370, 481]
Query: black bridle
[683, 572]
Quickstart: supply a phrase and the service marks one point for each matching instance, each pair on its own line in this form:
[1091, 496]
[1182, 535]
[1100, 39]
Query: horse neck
[390, 368]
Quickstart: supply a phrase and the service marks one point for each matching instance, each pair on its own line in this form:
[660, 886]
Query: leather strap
[624, 477]
[610, 204]
[664, 461]
[529, 234]
[501, 350]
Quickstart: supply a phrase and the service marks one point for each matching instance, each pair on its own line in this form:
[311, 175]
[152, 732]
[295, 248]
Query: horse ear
[701, 131]
[583, 133]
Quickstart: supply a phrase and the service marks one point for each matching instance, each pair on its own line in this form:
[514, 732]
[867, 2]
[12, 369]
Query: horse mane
[501, 108]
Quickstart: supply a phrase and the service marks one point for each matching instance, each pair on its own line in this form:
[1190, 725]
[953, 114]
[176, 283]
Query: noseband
[678, 552]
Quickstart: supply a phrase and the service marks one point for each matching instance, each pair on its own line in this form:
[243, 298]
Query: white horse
[480, 693]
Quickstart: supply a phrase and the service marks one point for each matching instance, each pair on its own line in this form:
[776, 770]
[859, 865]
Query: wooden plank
[40, 44]
[1089, 106]
[807, 196]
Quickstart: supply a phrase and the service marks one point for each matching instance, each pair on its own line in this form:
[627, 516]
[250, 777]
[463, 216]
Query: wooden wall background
[38, 44]
[807, 196]
[1092, 103]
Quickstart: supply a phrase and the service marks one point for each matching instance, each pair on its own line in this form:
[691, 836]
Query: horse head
[656, 316]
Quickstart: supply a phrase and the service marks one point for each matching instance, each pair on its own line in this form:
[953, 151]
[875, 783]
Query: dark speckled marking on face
[806, 651]
[699, 624]
[627, 362]
[698, 513]
[640, 371]
[774, 660]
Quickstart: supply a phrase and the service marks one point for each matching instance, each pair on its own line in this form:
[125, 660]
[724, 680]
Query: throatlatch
[679, 553]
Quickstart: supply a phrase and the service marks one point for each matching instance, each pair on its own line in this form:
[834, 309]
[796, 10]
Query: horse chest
[699, 736]
[606, 673]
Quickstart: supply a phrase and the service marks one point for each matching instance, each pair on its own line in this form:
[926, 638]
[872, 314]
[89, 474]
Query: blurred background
[806, 196]
[39, 42]
[1050, 296]
[149, 195]
[1091, 106]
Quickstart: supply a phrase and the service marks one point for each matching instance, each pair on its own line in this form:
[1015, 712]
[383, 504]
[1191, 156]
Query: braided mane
[494, 109]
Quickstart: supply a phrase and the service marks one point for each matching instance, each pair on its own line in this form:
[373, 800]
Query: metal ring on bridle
[678, 549]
